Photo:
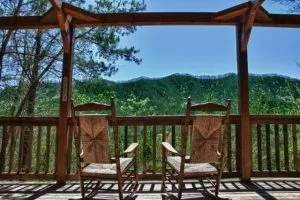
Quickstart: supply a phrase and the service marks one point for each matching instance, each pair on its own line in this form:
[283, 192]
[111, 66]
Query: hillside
[269, 94]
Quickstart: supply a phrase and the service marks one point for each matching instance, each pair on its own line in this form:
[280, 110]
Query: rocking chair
[208, 140]
[93, 159]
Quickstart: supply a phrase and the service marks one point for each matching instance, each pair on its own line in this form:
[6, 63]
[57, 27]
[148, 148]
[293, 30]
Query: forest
[269, 94]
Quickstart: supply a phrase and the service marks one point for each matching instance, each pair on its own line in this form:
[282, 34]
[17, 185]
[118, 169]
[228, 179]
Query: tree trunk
[18, 95]
[31, 98]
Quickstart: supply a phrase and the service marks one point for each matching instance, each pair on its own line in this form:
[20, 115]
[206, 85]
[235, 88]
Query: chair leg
[218, 182]
[82, 188]
[136, 173]
[211, 195]
[163, 172]
[94, 191]
[120, 188]
[180, 188]
[135, 184]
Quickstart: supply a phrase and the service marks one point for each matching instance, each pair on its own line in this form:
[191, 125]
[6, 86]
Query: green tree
[132, 106]
[29, 57]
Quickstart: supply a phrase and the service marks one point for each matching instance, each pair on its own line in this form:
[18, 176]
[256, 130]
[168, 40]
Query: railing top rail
[34, 121]
[153, 120]
[275, 119]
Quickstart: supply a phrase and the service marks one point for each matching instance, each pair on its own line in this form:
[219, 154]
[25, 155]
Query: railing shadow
[150, 189]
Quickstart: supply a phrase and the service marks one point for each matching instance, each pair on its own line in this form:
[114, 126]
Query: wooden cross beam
[57, 4]
[249, 21]
[64, 21]
[83, 18]
[233, 12]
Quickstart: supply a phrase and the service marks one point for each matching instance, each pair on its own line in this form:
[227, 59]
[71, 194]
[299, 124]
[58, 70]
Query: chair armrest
[169, 147]
[130, 149]
[81, 156]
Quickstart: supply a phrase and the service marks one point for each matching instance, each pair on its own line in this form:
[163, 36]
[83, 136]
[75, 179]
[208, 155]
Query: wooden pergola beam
[57, 4]
[146, 19]
[63, 22]
[263, 15]
[249, 21]
[68, 38]
[232, 12]
[243, 108]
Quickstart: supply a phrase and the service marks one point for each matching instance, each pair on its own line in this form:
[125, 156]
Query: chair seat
[110, 170]
[190, 169]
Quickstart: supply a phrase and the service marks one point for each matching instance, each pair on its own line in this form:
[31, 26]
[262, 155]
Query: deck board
[150, 190]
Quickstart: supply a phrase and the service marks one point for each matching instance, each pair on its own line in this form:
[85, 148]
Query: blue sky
[208, 50]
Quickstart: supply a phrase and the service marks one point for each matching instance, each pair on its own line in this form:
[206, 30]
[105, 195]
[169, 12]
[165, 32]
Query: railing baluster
[38, 150]
[135, 138]
[238, 147]
[21, 146]
[295, 147]
[173, 137]
[268, 150]
[277, 147]
[164, 133]
[3, 148]
[56, 153]
[286, 147]
[125, 137]
[259, 153]
[154, 150]
[12, 131]
[145, 150]
[29, 149]
[229, 156]
[47, 149]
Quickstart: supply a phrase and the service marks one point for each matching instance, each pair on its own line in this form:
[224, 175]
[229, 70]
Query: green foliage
[29, 57]
[268, 95]
[136, 107]
[167, 96]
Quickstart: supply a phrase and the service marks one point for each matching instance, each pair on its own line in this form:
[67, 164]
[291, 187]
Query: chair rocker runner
[93, 159]
[208, 140]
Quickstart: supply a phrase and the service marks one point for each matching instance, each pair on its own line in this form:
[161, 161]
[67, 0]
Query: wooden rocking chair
[94, 162]
[208, 140]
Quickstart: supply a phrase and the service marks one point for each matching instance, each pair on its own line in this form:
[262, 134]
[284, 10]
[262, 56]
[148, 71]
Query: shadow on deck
[233, 188]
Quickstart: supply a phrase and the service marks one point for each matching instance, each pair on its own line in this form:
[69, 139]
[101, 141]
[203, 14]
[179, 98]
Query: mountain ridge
[219, 76]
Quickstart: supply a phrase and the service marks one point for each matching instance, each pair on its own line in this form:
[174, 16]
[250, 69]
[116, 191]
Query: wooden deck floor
[233, 188]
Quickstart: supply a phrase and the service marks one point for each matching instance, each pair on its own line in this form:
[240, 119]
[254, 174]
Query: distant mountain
[269, 94]
[202, 77]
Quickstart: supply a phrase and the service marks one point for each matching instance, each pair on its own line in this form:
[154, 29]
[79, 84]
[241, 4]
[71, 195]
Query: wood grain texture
[21, 144]
[277, 147]
[154, 146]
[295, 147]
[243, 108]
[12, 132]
[38, 150]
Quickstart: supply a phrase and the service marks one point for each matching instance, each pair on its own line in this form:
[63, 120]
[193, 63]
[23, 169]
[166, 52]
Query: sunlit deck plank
[233, 188]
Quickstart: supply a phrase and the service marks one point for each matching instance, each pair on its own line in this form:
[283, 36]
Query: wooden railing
[275, 145]
[28, 148]
[149, 132]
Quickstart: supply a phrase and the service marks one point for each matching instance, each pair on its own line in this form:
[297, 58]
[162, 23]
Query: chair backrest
[208, 132]
[93, 131]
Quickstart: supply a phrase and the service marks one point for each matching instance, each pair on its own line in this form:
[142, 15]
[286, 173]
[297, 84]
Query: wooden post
[65, 105]
[243, 92]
